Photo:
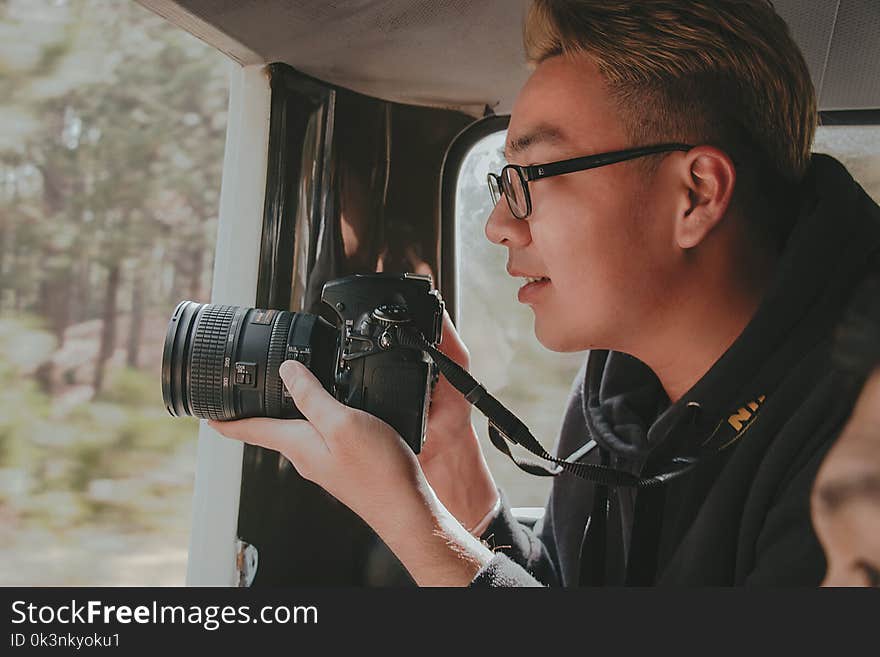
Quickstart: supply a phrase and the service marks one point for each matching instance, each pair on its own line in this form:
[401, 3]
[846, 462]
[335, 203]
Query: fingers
[296, 439]
[326, 418]
[320, 407]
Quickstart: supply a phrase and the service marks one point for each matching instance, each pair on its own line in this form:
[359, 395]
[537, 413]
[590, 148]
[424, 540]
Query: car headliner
[465, 54]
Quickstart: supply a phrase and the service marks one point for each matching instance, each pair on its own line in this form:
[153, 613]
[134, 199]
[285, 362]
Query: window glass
[858, 148]
[112, 126]
[506, 357]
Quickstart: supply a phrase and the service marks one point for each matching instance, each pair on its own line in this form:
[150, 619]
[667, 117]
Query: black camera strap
[505, 427]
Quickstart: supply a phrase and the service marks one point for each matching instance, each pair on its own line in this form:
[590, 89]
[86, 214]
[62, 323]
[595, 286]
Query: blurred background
[112, 128]
[112, 125]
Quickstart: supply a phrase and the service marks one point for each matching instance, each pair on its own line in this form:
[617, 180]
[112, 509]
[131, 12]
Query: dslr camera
[221, 362]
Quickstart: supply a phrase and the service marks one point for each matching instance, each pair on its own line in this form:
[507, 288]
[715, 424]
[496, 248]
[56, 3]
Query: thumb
[319, 406]
[296, 439]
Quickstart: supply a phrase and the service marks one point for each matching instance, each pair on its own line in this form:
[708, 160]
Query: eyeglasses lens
[514, 190]
[494, 189]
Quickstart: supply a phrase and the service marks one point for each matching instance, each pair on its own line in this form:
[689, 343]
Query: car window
[112, 127]
[858, 148]
[498, 330]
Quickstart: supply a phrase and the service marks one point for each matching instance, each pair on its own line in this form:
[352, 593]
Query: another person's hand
[451, 457]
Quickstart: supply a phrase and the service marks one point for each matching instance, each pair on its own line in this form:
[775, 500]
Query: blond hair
[720, 72]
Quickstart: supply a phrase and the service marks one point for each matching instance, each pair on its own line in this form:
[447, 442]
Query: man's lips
[532, 290]
[528, 276]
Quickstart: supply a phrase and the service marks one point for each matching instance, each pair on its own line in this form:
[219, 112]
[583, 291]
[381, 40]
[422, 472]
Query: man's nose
[505, 229]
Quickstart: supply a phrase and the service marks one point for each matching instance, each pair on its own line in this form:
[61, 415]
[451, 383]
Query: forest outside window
[112, 126]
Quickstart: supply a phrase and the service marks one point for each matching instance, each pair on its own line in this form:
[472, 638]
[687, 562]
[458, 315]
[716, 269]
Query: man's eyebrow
[834, 494]
[542, 133]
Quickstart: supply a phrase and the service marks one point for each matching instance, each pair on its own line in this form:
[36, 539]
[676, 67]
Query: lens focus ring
[274, 388]
[206, 368]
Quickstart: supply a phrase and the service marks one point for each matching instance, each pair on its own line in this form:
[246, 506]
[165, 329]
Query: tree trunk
[136, 325]
[55, 302]
[7, 252]
[55, 290]
[108, 327]
[79, 293]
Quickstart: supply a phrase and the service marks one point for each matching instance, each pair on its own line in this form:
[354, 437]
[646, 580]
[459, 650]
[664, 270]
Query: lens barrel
[221, 362]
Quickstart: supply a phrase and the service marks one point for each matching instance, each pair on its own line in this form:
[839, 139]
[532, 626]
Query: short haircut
[719, 72]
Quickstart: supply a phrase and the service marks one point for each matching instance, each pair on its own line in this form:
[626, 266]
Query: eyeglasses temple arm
[592, 161]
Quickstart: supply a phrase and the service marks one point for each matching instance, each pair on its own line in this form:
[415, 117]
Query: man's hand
[451, 458]
[366, 465]
[354, 456]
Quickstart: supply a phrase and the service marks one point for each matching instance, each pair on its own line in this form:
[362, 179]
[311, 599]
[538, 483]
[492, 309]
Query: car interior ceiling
[456, 53]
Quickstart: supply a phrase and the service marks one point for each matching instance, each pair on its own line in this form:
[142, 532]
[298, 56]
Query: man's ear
[709, 177]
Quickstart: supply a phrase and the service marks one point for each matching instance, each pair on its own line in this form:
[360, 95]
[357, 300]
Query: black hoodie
[741, 516]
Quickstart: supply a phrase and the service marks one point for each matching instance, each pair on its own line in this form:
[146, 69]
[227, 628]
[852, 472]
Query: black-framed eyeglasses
[513, 181]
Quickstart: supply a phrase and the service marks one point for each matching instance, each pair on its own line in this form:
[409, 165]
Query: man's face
[597, 235]
[846, 496]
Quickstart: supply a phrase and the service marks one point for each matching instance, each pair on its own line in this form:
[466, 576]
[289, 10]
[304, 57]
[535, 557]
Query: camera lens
[221, 362]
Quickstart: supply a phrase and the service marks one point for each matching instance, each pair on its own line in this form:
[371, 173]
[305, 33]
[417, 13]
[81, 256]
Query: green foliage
[61, 452]
[133, 387]
[22, 406]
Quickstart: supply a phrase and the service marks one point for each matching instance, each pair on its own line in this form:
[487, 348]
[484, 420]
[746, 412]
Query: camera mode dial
[390, 314]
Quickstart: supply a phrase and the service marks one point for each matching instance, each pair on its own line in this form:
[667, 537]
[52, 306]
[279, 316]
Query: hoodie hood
[834, 240]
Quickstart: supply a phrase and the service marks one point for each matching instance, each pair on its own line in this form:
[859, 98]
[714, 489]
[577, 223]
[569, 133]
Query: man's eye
[871, 573]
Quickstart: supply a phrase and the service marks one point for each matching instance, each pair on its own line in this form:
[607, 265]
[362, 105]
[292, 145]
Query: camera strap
[505, 427]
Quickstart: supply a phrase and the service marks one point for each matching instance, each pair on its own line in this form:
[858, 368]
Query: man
[846, 495]
[704, 276]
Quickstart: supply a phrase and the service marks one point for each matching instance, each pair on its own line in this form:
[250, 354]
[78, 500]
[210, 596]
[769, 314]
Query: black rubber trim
[850, 117]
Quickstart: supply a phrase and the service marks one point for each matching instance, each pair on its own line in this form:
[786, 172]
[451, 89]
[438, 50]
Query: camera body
[394, 383]
[221, 362]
